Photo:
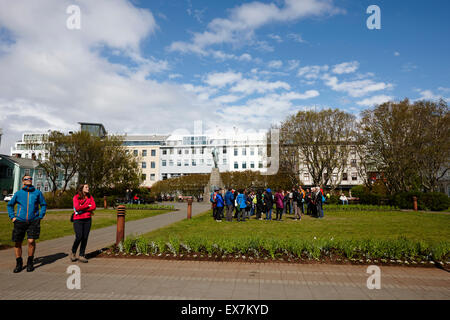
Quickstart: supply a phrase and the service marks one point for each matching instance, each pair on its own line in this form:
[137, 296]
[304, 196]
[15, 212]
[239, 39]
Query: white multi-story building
[189, 154]
[32, 146]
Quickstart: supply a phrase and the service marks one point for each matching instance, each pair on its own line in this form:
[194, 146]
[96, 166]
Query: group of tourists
[31, 209]
[242, 204]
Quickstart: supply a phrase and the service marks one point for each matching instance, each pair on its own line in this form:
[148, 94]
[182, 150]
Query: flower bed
[149, 207]
[400, 251]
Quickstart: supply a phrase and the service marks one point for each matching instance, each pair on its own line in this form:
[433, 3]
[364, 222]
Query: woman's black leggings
[82, 228]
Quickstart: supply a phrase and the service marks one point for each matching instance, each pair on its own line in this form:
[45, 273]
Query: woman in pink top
[83, 206]
[279, 203]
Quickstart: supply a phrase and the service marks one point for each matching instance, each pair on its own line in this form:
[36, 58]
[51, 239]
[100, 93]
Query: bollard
[189, 208]
[120, 224]
[105, 203]
[415, 203]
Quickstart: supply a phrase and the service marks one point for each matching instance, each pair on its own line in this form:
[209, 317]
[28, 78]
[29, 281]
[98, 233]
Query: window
[164, 176]
[194, 163]
[39, 173]
[144, 165]
[353, 163]
[164, 152]
[202, 150]
[164, 163]
[180, 151]
[144, 153]
[152, 177]
[334, 176]
[192, 151]
[354, 176]
[260, 151]
[27, 172]
[186, 151]
[252, 151]
[260, 165]
[244, 165]
[244, 151]
[224, 150]
[135, 153]
[344, 176]
[153, 165]
[153, 153]
[178, 163]
[235, 151]
[305, 177]
[171, 151]
[252, 165]
[144, 176]
[236, 165]
[224, 160]
[46, 187]
[209, 162]
[186, 163]
[171, 163]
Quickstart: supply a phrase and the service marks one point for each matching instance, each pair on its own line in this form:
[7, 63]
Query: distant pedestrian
[279, 202]
[229, 202]
[259, 205]
[242, 204]
[27, 220]
[84, 206]
[268, 200]
[219, 205]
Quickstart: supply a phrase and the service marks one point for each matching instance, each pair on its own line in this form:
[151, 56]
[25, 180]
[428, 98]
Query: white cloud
[250, 86]
[221, 79]
[293, 64]
[375, 100]
[243, 20]
[311, 72]
[355, 88]
[226, 99]
[275, 37]
[345, 67]
[430, 95]
[276, 64]
[296, 37]
[396, 53]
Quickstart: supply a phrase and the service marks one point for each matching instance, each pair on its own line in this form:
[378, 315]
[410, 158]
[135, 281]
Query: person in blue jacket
[229, 202]
[219, 204]
[242, 203]
[26, 219]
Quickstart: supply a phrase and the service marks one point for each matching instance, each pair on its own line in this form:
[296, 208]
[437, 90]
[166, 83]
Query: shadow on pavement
[42, 261]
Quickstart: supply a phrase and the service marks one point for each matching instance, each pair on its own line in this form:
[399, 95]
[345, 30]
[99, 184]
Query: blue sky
[158, 66]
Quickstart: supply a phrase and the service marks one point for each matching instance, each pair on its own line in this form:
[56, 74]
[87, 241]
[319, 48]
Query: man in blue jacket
[27, 219]
[229, 202]
[219, 205]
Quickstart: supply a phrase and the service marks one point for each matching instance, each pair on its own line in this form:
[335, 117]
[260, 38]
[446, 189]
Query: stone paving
[149, 279]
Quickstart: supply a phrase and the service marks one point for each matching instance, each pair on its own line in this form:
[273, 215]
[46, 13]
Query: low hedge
[434, 201]
[385, 250]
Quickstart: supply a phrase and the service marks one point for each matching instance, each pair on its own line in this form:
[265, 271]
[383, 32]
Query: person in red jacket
[83, 206]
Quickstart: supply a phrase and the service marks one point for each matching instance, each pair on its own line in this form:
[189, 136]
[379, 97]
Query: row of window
[244, 165]
[152, 177]
[251, 152]
[152, 165]
[193, 162]
[144, 153]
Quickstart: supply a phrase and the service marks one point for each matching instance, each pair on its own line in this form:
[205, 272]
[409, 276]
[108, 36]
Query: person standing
[212, 199]
[84, 206]
[279, 202]
[268, 199]
[242, 204]
[318, 201]
[229, 202]
[308, 201]
[28, 219]
[296, 203]
[219, 205]
[259, 205]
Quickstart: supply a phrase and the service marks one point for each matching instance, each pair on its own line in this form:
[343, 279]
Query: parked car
[8, 197]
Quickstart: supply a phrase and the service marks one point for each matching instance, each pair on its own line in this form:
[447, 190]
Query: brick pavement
[134, 279]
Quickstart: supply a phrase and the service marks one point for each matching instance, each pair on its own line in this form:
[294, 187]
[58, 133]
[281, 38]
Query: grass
[355, 235]
[57, 224]
[3, 206]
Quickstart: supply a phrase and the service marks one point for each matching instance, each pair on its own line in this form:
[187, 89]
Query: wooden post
[415, 203]
[189, 208]
[120, 224]
[105, 203]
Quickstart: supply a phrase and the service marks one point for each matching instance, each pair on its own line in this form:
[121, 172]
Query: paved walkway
[107, 278]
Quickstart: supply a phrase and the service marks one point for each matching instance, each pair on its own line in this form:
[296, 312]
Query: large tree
[408, 143]
[321, 141]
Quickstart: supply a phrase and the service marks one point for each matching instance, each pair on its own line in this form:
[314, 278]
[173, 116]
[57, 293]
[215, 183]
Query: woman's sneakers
[83, 259]
[72, 257]
[19, 265]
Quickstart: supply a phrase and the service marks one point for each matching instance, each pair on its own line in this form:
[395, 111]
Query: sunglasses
[28, 179]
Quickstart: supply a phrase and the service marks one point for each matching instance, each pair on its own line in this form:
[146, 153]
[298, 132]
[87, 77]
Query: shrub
[434, 201]
[60, 200]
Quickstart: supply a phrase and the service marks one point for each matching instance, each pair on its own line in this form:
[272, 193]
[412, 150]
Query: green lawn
[57, 223]
[339, 225]
[3, 206]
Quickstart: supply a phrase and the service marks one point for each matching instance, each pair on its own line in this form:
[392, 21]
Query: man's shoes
[82, 259]
[30, 266]
[72, 256]
[19, 265]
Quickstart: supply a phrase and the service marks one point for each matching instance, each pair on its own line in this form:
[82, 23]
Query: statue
[215, 154]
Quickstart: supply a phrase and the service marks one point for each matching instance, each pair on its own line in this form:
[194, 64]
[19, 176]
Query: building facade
[146, 148]
[190, 154]
[32, 146]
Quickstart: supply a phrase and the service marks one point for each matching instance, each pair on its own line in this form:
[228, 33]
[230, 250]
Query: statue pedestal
[215, 181]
